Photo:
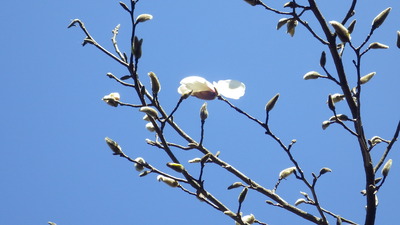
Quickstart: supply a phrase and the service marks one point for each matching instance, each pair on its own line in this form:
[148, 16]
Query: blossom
[203, 89]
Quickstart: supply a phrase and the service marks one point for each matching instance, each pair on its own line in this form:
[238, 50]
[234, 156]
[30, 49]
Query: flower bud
[291, 26]
[367, 77]
[149, 111]
[341, 117]
[114, 146]
[331, 104]
[143, 17]
[124, 6]
[281, 22]
[155, 83]
[243, 194]
[341, 31]
[322, 60]
[386, 168]
[248, 219]
[235, 185]
[195, 160]
[286, 172]
[380, 18]
[253, 2]
[351, 26]
[150, 127]
[177, 167]
[139, 164]
[203, 112]
[137, 47]
[377, 45]
[326, 124]
[337, 97]
[311, 75]
[171, 182]
[398, 39]
[230, 213]
[112, 99]
[271, 103]
[324, 170]
[299, 201]
[144, 173]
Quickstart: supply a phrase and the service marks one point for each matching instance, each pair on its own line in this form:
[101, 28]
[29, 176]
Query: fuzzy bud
[286, 172]
[299, 201]
[377, 45]
[351, 26]
[331, 104]
[143, 17]
[149, 111]
[367, 77]
[291, 26]
[248, 219]
[326, 124]
[380, 18]
[337, 97]
[114, 146]
[235, 185]
[386, 168]
[137, 47]
[271, 103]
[112, 99]
[312, 75]
[322, 60]
[281, 22]
[203, 112]
[242, 195]
[150, 127]
[398, 39]
[195, 160]
[341, 117]
[324, 170]
[155, 83]
[139, 164]
[169, 181]
[341, 31]
[253, 2]
[176, 166]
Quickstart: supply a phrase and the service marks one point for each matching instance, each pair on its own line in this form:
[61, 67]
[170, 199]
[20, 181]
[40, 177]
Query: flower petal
[201, 88]
[230, 88]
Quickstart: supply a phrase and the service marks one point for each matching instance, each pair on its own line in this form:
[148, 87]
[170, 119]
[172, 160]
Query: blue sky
[56, 166]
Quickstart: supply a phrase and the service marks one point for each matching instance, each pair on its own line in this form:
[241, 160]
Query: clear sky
[55, 165]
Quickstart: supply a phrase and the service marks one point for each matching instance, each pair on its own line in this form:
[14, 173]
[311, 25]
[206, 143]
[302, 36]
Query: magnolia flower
[203, 89]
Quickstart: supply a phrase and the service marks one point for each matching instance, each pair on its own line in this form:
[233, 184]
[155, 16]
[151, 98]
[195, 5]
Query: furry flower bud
[155, 83]
[380, 18]
[139, 164]
[286, 172]
[203, 112]
[169, 181]
[143, 17]
[149, 111]
[114, 146]
[367, 77]
[341, 31]
[386, 168]
[271, 103]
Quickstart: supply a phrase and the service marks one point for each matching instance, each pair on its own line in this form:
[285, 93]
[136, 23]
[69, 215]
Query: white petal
[230, 88]
[197, 83]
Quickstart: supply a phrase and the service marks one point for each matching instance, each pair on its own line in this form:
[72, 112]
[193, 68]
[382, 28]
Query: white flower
[203, 89]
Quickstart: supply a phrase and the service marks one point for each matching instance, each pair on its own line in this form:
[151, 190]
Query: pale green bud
[341, 31]
[114, 146]
[195, 160]
[337, 97]
[139, 164]
[326, 124]
[351, 26]
[377, 45]
[324, 170]
[299, 201]
[386, 168]
[235, 185]
[149, 111]
[143, 17]
[242, 195]
[286, 172]
[176, 166]
[271, 103]
[150, 127]
[169, 181]
[203, 112]
[367, 77]
[281, 22]
[380, 18]
[291, 26]
[155, 83]
[312, 75]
